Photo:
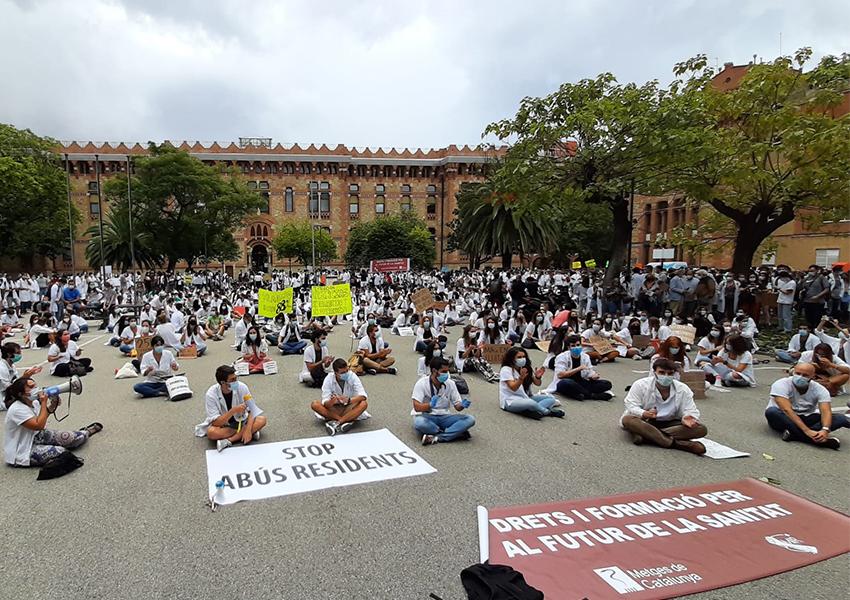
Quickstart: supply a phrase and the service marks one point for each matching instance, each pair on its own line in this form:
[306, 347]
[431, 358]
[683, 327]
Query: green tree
[758, 156]
[589, 141]
[294, 240]
[184, 203]
[392, 236]
[116, 243]
[491, 223]
[33, 197]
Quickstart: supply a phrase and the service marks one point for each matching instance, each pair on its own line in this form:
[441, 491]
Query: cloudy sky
[365, 73]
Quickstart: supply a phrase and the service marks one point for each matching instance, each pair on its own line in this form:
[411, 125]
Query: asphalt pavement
[132, 523]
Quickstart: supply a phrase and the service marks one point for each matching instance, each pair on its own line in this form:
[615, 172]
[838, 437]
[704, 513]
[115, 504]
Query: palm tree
[116, 243]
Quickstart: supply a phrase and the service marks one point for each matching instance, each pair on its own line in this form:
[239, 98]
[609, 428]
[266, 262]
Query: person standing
[815, 292]
[785, 287]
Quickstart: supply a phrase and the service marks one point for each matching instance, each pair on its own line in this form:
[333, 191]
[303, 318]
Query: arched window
[253, 231]
[265, 231]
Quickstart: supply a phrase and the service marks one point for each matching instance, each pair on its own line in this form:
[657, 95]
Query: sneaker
[717, 382]
[786, 436]
[331, 426]
[832, 442]
[256, 435]
[392, 370]
[556, 412]
[689, 446]
[465, 436]
[611, 395]
[371, 371]
[637, 357]
[557, 402]
[427, 440]
[222, 444]
[343, 427]
[637, 440]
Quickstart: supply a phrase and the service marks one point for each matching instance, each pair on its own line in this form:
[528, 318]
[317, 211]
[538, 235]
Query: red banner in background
[662, 543]
[390, 265]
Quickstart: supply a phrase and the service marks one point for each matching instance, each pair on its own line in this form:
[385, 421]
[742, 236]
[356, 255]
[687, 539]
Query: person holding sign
[255, 350]
[194, 335]
[433, 395]
[232, 414]
[515, 379]
[344, 398]
[316, 360]
[661, 410]
[598, 348]
[155, 367]
[800, 409]
[575, 376]
[375, 352]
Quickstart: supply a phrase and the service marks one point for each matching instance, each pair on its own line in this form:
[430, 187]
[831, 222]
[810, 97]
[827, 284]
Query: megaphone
[73, 386]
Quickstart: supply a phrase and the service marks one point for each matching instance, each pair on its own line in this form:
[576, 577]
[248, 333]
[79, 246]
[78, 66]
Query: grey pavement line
[83, 345]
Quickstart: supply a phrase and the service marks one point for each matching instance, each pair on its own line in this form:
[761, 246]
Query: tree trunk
[172, 261]
[752, 231]
[506, 260]
[620, 240]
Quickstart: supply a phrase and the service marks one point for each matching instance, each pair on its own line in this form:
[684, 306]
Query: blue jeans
[447, 428]
[783, 313]
[292, 347]
[541, 403]
[149, 389]
[785, 357]
[727, 376]
[84, 328]
[779, 421]
[125, 348]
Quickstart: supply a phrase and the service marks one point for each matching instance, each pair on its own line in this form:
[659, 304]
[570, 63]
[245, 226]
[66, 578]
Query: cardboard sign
[272, 304]
[331, 300]
[590, 264]
[661, 543]
[767, 299]
[494, 353]
[686, 333]
[298, 466]
[601, 344]
[576, 265]
[542, 345]
[143, 344]
[188, 352]
[423, 299]
[641, 341]
[270, 367]
[390, 265]
[440, 305]
[696, 381]
[405, 331]
[242, 368]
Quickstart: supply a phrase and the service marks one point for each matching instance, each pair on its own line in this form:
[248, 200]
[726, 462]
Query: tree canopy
[391, 236]
[33, 196]
[294, 240]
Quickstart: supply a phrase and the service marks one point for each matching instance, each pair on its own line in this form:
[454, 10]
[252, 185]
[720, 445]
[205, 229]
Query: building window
[379, 205]
[92, 187]
[405, 203]
[94, 209]
[433, 233]
[313, 197]
[432, 190]
[288, 202]
[264, 207]
[325, 197]
[353, 205]
[380, 189]
[405, 189]
[824, 257]
[431, 208]
[353, 188]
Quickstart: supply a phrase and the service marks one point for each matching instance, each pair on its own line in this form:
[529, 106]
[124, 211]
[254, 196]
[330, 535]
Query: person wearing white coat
[232, 415]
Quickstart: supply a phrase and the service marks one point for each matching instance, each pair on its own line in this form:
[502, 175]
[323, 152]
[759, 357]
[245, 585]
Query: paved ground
[132, 522]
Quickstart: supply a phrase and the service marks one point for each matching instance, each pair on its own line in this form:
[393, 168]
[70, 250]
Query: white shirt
[169, 336]
[811, 342]
[424, 390]
[644, 395]
[310, 358]
[8, 374]
[215, 406]
[746, 358]
[564, 362]
[804, 404]
[786, 286]
[161, 368]
[507, 396]
[352, 387]
[17, 445]
[64, 357]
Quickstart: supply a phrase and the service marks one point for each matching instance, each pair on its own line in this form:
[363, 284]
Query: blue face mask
[664, 380]
[158, 349]
[520, 362]
[800, 382]
[576, 351]
[674, 350]
[345, 376]
[443, 377]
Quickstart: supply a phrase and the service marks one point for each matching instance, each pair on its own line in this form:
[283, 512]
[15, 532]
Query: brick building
[800, 243]
[336, 187]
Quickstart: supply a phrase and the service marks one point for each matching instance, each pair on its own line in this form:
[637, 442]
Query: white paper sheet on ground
[405, 331]
[719, 451]
[260, 471]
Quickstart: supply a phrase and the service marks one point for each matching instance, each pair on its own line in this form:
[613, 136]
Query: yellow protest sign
[271, 304]
[590, 264]
[331, 300]
[576, 265]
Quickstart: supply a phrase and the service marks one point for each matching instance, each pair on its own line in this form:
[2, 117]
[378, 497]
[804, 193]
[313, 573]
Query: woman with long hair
[515, 380]
[734, 364]
[255, 350]
[673, 349]
[194, 335]
[469, 357]
[64, 357]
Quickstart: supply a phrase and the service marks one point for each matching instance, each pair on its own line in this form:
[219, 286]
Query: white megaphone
[74, 386]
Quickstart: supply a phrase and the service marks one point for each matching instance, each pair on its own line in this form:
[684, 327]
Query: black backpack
[496, 582]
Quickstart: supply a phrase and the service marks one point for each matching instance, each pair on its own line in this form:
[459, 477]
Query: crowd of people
[522, 322]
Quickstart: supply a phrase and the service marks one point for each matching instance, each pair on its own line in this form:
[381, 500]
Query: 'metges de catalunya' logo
[789, 542]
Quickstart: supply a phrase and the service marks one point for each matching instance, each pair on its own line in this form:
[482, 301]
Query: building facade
[335, 187]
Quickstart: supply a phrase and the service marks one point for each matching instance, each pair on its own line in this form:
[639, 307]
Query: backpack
[496, 582]
[460, 383]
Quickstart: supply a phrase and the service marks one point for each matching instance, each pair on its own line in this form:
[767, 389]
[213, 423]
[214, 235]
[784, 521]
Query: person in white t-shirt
[433, 396]
[515, 379]
[27, 442]
[375, 352]
[786, 287]
[734, 364]
[316, 360]
[800, 409]
[344, 399]
[232, 415]
[155, 367]
[64, 357]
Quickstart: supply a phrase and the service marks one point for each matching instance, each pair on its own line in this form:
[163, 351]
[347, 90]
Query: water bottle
[218, 496]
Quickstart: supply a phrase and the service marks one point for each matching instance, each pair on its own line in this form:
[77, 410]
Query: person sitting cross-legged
[155, 366]
[830, 371]
[375, 352]
[800, 409]
[661, 410]
[515, 379]
[344, 398]
[575, 376]
[232, 414]
[316, 360]
[433, 395]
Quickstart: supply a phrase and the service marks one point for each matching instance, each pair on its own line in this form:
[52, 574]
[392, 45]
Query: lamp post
[130, 217]
[100, 215]
[70, 214]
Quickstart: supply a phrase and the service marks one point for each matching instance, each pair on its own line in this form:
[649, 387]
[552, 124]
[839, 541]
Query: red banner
[662, 543]
[390, 265]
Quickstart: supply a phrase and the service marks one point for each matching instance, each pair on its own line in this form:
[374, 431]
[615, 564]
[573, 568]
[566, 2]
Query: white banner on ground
[719, 451]
[260, 471]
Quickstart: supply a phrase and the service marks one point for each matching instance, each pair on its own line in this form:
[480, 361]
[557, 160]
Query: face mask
[596, 328]
[740, 315]
[609, 320]
[539, 319]
[674, 350]
[668, 314]
[132, 323]
[800, 382]
[715, 333]
[491, 325]
[727, 329]
[728, 348]
[520, 362]
[643, 318]
[576, 351]
[426, 324]
[437, 353]
[664, 380]
[17, 358]
[443, 377]
[345, 376]
[371, 321]
[158, 349]
[804, 332]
